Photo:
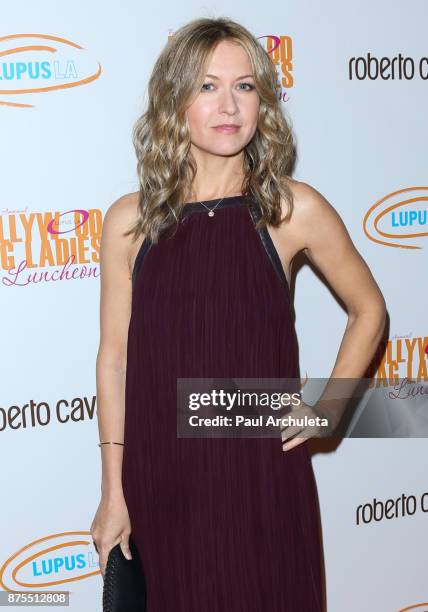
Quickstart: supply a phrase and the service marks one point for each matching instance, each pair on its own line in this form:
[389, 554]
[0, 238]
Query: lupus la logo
[420, 607]
[50, 561]
[30, 243]
[40, 63]
[399, 219]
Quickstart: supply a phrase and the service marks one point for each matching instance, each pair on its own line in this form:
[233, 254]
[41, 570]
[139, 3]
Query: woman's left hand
[315, 430]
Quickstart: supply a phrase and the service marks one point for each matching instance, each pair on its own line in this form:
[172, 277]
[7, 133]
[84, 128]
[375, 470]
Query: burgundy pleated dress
[221, 524]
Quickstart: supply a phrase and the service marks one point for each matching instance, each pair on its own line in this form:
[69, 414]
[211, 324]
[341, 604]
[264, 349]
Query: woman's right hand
[111, 526]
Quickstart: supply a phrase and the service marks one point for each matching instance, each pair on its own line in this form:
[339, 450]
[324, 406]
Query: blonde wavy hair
[161, 136]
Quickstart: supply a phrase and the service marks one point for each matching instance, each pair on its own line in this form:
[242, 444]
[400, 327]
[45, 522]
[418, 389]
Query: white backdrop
[72, 83]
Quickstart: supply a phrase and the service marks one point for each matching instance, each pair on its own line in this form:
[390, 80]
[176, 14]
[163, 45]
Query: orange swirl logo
[398, 220]
[421, 607]
[50, 561]
[39, 63]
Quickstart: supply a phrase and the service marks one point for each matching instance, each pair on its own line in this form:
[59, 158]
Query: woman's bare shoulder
[123, 211]
[312, 212]
[118, 219]
[120, 216]
[307, 199]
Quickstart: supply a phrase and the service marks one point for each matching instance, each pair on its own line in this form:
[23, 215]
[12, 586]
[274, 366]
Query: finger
[102, 564]
[309, 432]
[294, 442]
[287, 444]
[124, 545]
[290, 431]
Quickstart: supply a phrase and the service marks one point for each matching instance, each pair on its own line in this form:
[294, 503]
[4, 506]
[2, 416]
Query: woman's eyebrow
[213, 76]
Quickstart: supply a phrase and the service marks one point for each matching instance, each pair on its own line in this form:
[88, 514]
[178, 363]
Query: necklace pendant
[211, 213]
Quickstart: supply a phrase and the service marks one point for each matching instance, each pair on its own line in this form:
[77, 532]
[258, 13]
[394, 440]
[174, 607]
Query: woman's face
[228, 96]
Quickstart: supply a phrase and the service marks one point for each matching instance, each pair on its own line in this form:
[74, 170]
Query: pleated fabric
[221, 525]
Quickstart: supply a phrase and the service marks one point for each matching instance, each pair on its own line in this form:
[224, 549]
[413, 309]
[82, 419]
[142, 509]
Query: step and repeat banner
[354, 79]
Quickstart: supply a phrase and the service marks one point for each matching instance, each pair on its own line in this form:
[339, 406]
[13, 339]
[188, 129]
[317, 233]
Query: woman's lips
[227, 129]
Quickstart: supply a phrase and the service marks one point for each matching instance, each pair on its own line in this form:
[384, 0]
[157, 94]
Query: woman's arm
[322, 235]
[115, 311]
[111, 524]
[329, 247]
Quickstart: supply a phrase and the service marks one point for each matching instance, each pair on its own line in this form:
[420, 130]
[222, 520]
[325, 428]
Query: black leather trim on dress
[255, 212]
[143, 250]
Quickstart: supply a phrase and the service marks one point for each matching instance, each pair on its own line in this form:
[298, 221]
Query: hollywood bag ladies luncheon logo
[399, 219]
[40, 247]
[32, 64]
[280, 51]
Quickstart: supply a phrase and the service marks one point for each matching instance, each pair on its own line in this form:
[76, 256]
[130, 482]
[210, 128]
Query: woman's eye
[249, 85]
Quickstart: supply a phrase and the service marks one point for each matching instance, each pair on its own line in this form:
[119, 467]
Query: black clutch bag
[124, 587]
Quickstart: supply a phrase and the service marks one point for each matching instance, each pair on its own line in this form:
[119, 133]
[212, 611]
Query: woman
[192, 286]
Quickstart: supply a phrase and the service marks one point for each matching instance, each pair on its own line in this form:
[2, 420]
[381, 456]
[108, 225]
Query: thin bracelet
[120, 443]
